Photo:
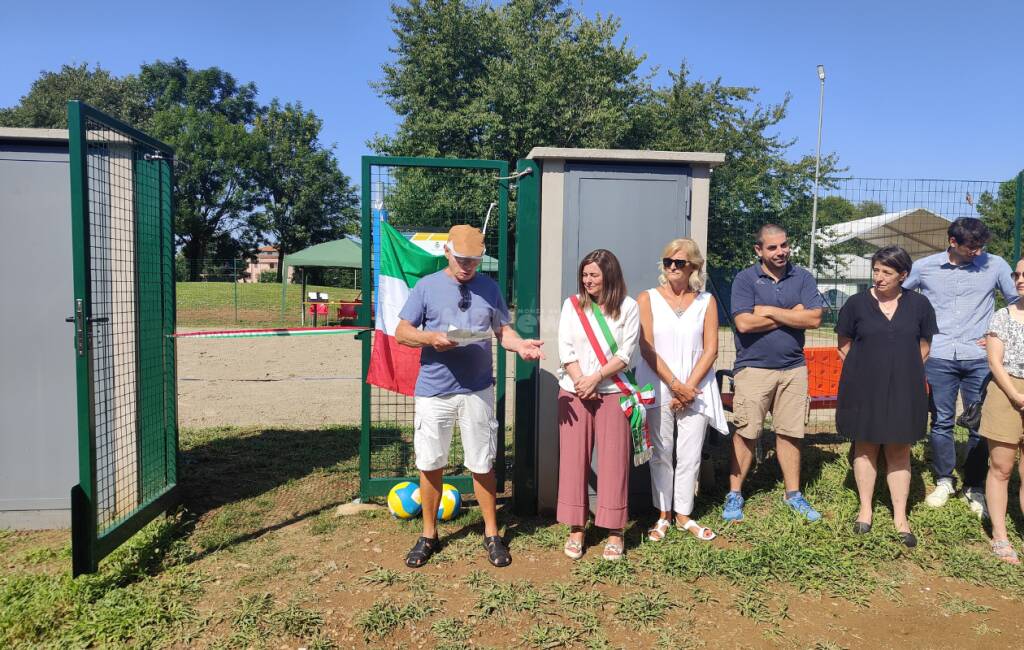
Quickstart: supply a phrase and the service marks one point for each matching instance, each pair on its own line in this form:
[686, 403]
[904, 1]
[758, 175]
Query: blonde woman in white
[679, 343]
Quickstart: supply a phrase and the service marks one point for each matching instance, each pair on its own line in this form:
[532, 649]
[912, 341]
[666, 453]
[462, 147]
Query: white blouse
[573, 344]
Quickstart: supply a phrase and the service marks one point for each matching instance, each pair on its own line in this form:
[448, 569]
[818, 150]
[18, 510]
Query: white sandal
[657, 532]
[614, 552]
[573, 549]
[702, 533]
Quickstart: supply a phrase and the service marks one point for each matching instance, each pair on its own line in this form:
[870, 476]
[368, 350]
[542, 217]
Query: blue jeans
[947, 378]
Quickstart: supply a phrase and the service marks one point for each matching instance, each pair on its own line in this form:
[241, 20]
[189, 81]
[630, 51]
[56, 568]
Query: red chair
[347, 310]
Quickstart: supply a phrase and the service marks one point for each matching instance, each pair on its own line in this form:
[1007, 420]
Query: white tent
[920, 231]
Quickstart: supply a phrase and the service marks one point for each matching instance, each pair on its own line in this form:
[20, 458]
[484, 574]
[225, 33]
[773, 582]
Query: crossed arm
[766, 318]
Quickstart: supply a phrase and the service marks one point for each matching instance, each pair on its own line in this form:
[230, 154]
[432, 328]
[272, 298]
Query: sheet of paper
[464, 337]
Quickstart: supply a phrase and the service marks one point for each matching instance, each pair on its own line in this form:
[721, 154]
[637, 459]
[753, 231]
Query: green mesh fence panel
[121, 198]
[431, 200]
[856, 217]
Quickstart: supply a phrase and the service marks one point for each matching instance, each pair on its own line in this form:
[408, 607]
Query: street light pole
[817, 166]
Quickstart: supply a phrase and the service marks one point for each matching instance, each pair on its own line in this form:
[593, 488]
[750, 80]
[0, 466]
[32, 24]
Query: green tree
[206, 115]
[481, 81]
[998, 212]
[757, 184]
[45, 104]
[304, 197]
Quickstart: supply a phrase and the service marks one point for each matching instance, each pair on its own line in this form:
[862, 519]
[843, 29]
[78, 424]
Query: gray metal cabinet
[38, 425]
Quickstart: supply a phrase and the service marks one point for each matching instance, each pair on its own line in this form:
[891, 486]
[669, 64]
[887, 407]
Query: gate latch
[80, 321]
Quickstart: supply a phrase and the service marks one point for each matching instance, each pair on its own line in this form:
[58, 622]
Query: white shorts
[435, 421]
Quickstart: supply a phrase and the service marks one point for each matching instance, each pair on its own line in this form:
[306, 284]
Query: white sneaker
[975, 498]
[940, 495]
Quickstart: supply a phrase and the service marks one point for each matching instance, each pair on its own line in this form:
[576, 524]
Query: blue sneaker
[798, 503]
[733, 510]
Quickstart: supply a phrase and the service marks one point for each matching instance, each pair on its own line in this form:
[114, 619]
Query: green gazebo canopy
[340, 253]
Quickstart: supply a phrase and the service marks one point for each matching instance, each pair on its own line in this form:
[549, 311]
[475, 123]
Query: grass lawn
[258, 558]
[213, 304]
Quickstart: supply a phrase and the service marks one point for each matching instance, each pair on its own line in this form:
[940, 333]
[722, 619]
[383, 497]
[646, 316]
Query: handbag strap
[589, 331]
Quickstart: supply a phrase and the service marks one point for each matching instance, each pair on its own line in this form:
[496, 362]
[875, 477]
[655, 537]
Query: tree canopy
[485, 81]
[236, 162]
[998, 211]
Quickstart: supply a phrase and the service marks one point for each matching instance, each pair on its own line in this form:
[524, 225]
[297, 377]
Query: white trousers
[673, 484]
[435, 420]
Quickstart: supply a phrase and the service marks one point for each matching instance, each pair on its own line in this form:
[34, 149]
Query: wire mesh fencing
[228, 293]
[128, 235]
[856, 217]
[419, 201]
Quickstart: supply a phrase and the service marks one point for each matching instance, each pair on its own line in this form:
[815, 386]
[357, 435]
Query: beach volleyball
[404, 500]
[451, 502]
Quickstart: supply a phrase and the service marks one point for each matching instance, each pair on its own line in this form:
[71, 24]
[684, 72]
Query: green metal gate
[425, 195]
[121, 218]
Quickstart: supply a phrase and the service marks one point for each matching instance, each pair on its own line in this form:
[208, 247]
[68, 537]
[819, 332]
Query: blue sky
[914, 89]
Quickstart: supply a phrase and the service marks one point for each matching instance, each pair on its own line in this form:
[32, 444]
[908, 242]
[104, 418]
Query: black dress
[882, 395]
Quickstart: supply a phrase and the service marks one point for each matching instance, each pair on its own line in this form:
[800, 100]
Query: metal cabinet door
[633, 211]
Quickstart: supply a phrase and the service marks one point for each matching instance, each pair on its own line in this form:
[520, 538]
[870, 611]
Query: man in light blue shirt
[960, 283]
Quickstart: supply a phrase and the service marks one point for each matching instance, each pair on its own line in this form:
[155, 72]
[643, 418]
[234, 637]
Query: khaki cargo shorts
[759, 391]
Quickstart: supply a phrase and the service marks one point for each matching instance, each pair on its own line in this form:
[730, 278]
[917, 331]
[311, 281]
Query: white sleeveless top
[679, 341]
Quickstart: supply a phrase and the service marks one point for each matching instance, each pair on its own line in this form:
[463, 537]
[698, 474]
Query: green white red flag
[393, 366]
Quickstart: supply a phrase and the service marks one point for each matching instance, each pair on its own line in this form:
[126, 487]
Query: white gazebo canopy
[918, 230]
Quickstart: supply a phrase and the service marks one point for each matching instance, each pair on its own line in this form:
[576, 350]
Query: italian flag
[393, 366]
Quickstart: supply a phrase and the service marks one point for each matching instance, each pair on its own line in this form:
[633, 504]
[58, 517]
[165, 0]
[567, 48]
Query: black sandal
[497, 552]
[421, 552]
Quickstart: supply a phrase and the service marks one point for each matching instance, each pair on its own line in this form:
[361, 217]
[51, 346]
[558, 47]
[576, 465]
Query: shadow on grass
[764, 476]
[225, 468]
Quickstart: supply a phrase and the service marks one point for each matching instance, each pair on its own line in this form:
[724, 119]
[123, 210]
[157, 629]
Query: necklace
[888, 308]
[677, 305]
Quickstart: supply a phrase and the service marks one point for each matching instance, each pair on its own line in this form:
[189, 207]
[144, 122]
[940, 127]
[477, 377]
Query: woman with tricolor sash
[679, 345]
[599, 403]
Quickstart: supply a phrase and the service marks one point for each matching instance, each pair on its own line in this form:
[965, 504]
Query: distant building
[266, 260]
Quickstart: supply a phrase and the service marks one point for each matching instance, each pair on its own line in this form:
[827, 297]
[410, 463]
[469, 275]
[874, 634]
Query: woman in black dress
[884, 337]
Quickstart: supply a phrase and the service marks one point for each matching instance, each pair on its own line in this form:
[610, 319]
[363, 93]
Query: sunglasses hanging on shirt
[465, 298]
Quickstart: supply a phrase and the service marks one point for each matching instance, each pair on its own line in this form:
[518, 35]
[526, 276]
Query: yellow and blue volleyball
[451, 502]
[404, 500]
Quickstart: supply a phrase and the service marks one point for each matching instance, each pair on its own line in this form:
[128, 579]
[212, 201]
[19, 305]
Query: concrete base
[35, 519]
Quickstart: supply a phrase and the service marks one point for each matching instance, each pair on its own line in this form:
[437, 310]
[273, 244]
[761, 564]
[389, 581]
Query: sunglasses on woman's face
[1016, 276]
[668, 263]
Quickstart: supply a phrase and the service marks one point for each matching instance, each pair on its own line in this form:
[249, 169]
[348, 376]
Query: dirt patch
[291, 381]
[277, 381]
[334, 573]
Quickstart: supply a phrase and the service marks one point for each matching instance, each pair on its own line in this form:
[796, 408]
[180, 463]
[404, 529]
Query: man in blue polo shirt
[773, 302]
[961, 283]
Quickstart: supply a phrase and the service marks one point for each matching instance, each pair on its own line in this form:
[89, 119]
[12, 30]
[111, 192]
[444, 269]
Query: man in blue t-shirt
[773, 302]
[456, 382]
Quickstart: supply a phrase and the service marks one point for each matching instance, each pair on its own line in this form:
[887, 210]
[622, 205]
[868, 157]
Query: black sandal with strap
[497, 552]
[421, 552]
